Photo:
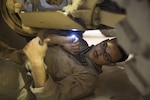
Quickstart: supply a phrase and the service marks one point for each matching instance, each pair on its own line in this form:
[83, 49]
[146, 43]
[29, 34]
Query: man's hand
[66, 42]
[73, 48]
[70, 46]
[35, 50]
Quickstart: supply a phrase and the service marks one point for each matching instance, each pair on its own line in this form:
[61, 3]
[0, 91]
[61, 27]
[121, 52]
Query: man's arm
[36, 53]
[65, 42]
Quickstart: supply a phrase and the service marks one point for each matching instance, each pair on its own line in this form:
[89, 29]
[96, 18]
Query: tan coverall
[67, 78]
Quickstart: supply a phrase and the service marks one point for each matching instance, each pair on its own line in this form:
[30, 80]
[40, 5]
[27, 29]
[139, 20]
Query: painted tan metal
[52, 20]
[110, 19]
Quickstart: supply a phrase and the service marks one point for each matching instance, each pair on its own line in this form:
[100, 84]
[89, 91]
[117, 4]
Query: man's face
[105, 52]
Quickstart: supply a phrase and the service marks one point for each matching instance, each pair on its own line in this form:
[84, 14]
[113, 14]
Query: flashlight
[74, 38]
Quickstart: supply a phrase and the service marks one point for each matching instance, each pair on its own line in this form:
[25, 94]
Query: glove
[74, 6]
[14, 6]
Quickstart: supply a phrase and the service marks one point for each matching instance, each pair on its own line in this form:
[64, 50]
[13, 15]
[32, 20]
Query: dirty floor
[114, 85]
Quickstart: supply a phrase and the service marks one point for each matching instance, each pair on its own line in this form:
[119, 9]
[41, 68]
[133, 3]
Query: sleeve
[49, 91]
[77, 86]
[80, 83]
[71, 87]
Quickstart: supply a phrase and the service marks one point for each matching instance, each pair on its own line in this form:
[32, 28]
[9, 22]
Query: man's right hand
[66, 42]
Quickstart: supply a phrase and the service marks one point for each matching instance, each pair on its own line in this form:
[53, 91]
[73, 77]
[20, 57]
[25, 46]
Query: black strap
[81, 56]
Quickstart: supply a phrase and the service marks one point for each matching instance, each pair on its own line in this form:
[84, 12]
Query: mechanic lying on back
[61, 72]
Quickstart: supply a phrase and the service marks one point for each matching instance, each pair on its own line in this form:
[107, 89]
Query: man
[60, 72]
